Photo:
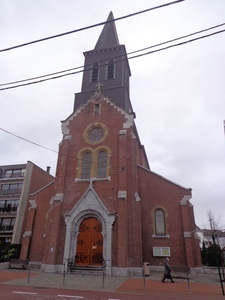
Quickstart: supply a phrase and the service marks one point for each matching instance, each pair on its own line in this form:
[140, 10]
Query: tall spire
[108, 37]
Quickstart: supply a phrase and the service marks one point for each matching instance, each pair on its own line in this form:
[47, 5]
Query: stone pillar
[51, 259]
[191, 247]
[27, 235]
[122, 201]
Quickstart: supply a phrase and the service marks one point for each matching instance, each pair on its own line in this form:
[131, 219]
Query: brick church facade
[105, 202]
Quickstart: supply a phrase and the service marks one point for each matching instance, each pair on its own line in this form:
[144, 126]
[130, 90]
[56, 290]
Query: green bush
[213, 254]
[13, 251]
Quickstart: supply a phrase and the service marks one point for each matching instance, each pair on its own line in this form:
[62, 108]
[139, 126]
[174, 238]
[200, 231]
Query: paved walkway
[202, 286]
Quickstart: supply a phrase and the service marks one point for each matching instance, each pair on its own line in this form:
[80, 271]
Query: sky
[177, 93]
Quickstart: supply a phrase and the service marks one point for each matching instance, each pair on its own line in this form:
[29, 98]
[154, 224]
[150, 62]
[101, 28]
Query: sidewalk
[202, 286]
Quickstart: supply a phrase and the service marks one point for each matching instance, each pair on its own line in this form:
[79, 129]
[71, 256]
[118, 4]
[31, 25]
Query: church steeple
[108, 64]
[108, 38]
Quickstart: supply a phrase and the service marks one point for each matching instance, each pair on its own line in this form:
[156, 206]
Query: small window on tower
[95, 72]
[111, 70]
[97, 108]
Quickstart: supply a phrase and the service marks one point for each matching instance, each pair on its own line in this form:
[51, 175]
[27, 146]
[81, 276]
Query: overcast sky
[177, 94]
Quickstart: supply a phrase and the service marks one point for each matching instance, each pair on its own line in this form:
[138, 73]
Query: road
[15, 292]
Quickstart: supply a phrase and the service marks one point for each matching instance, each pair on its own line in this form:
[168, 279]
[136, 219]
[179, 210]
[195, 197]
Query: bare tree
[217, 229]
[215, 226]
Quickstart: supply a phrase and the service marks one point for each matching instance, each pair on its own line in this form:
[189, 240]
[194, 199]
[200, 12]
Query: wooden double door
[89, 243]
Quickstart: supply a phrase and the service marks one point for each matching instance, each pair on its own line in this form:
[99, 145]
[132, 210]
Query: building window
[97, 108]
[14, 173]
[111, 70]
[102, 165]
[95, 133]
[7, 224]
[86, 166]
[161, 251]
[94, 163]
[95, 72]
[10, 189]
[160, 229]
[9, 206]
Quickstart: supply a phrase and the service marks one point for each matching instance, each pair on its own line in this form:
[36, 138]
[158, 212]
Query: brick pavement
[202, 286]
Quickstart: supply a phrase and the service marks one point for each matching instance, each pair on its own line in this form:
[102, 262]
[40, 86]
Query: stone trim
[138, 199]
[67, 137]
[122, 194]
[58, 197]
[33, 204]
[160, 237]
[187, 234]
[27, 234]
[122, 132]
[185, 200]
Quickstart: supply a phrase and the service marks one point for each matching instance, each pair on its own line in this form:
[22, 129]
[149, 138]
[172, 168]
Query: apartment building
[16, 183]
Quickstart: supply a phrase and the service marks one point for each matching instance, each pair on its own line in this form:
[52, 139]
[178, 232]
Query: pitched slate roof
[108, 37]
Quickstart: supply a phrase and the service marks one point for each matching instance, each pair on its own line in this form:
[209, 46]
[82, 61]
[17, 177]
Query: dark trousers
[167, 276]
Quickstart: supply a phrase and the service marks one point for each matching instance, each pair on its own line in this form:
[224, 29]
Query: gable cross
[98, 86]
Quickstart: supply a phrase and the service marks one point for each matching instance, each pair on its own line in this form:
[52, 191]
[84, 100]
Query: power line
[146, 48]
[42, 76]
[136, 56]
[57, 152]
[179, 44]
[91, 26]
[179, 38]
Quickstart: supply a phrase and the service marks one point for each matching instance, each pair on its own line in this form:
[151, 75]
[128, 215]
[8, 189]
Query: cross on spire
[98, 86]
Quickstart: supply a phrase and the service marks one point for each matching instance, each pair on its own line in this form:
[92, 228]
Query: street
[15, 292]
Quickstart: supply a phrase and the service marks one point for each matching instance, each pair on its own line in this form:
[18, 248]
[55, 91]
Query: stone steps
[87, 270]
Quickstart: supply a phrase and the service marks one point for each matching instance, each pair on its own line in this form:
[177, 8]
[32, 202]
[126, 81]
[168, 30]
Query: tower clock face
[96, 134]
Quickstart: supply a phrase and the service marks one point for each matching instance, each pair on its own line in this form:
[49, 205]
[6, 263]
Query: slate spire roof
[108, 37]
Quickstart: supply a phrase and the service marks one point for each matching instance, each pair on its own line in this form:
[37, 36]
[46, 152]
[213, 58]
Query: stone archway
[89, 206]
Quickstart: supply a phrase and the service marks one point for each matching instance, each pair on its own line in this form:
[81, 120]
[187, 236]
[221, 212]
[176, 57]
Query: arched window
[160, 223]
[102, 165]
[95, 71]
[86, 166]
[110, 70]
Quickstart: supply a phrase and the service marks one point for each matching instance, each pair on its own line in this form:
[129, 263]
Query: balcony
[10, 192]
[8, 210]
[6, 228]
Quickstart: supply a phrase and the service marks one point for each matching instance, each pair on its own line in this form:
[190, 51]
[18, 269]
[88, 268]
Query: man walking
[168, 270]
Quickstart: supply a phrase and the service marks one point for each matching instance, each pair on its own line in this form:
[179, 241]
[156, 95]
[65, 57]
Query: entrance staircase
[87, 270]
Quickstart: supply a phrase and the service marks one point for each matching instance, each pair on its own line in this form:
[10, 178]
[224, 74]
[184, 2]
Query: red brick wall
[156, 191]
[132, 231]
[39, 179]
[36, 221]
[125, 150]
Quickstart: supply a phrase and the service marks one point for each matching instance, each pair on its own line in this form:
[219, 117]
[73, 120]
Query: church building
[106, 204]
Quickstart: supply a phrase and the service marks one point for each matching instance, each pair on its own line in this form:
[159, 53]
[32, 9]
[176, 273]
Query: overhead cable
[91, 26]
[140, 50]
[135, 56]
[57, 152]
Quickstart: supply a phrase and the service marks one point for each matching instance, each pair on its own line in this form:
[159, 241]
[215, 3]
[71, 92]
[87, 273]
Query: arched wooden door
[89, 243]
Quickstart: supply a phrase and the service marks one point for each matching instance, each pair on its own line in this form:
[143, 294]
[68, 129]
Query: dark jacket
[168, 270]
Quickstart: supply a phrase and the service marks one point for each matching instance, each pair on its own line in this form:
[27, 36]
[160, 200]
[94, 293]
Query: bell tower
[108, 65]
